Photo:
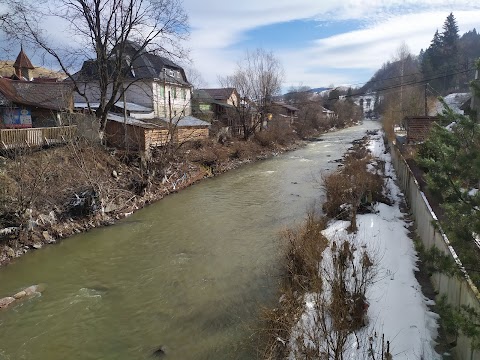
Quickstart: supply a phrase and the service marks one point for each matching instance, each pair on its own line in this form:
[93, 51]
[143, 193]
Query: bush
[351, 189]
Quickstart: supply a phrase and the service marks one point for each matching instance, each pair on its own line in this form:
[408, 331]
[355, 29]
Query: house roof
[129, 105]
[23, 61]
[191, 121]
[47, 95]
[220, 93]
[202, 95]
[132, 121]
[138, 64]
[158, 123]
[454, 102]
[286, 106]
[180, 121]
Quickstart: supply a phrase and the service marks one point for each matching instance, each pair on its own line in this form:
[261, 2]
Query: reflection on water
[187, 274]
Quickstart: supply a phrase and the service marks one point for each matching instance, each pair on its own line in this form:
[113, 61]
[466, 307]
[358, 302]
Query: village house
[33, 111]
[226, 108]
[152, 81]
[366, 103]
[216, 103]
[156, 106]
[282, 114]
[418, 128]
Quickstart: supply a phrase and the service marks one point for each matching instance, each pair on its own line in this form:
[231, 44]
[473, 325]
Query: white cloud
[216, 26]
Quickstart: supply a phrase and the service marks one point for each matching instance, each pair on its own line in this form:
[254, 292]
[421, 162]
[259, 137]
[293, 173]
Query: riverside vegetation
[53, 193]
[333, 274]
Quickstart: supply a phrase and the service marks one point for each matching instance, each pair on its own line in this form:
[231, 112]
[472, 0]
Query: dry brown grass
[351, 189]
[304, 246]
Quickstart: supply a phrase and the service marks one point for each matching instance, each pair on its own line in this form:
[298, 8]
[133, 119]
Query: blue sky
[319, 42]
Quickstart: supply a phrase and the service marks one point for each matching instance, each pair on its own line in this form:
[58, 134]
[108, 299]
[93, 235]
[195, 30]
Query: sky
[319, 42]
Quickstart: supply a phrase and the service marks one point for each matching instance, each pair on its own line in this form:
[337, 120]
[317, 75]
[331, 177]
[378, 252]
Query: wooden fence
[32, 137]
[458, 290]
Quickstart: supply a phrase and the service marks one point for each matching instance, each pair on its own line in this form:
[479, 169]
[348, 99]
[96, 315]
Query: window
[184, 94]
[161, 91]
[174, 93]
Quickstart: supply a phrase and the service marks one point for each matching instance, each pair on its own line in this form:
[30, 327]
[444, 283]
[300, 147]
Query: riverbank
[55, 193]
[350, 273]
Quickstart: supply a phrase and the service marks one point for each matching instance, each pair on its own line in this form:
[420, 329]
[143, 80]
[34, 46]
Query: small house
[150, 81]
[133, 134]
[144, 134]
[33, 111]
[282, 114]
[418, 127]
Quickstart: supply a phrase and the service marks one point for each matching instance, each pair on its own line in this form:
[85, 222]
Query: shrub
[351, 189]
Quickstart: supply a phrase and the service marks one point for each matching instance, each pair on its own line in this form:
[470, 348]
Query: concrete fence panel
[458, 290]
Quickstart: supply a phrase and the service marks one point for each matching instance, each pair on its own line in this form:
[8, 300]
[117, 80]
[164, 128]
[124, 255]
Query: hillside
[446, 64]
[6, 69]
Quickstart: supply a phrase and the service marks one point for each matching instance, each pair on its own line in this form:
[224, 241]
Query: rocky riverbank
[54, 193]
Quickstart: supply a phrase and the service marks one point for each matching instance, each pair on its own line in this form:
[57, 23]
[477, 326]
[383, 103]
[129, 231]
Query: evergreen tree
[450, 37]
[451, 159]
[450, 54]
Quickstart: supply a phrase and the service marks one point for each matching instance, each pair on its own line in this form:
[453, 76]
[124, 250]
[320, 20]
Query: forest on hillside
[447, 65]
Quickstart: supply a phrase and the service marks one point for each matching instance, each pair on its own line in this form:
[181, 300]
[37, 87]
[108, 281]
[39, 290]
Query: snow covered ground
[398, 309]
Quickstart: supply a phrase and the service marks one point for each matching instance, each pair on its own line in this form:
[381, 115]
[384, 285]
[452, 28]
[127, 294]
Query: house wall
[138, 92]
[233, 99]
[45, 118]
[88, 126]
[179, 103]
[191, 133]
[115, 136]
[149, 93]
[418, 129]
[141, 93]
[156, 137]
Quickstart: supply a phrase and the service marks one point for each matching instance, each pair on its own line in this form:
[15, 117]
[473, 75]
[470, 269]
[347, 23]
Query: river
[188, 273]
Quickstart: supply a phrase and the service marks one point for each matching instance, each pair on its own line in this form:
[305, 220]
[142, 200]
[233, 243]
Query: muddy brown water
[188, 273]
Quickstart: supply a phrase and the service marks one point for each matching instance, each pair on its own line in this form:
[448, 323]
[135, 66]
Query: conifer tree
[450, 54]
[451, 159]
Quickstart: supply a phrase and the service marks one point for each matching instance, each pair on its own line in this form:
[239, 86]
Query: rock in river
[4, 302]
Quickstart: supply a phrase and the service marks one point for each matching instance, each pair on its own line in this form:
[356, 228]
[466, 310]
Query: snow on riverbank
[398, 309]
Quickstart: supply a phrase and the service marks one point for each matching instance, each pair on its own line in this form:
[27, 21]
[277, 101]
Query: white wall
[179, 105]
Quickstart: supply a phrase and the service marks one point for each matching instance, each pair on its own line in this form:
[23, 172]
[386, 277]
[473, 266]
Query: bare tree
[258, 79]
[195, 77]
[102, 30]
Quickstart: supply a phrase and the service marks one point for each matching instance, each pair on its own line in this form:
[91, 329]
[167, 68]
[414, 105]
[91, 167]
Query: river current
[188, 273]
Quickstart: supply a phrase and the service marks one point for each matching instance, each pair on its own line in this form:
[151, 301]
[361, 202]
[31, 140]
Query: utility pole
[475, 102]
[425, 96]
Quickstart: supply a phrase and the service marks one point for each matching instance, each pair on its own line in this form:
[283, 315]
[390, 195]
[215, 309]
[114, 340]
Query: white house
[153, 82]
[366, 102]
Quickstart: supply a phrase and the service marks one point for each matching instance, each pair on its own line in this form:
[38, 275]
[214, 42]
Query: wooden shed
[134, 134]
[418, 127]
[190, 128]
[143, 135]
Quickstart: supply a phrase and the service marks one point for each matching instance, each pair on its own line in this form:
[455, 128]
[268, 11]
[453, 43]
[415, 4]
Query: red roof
[23, 61]
[47, 95]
